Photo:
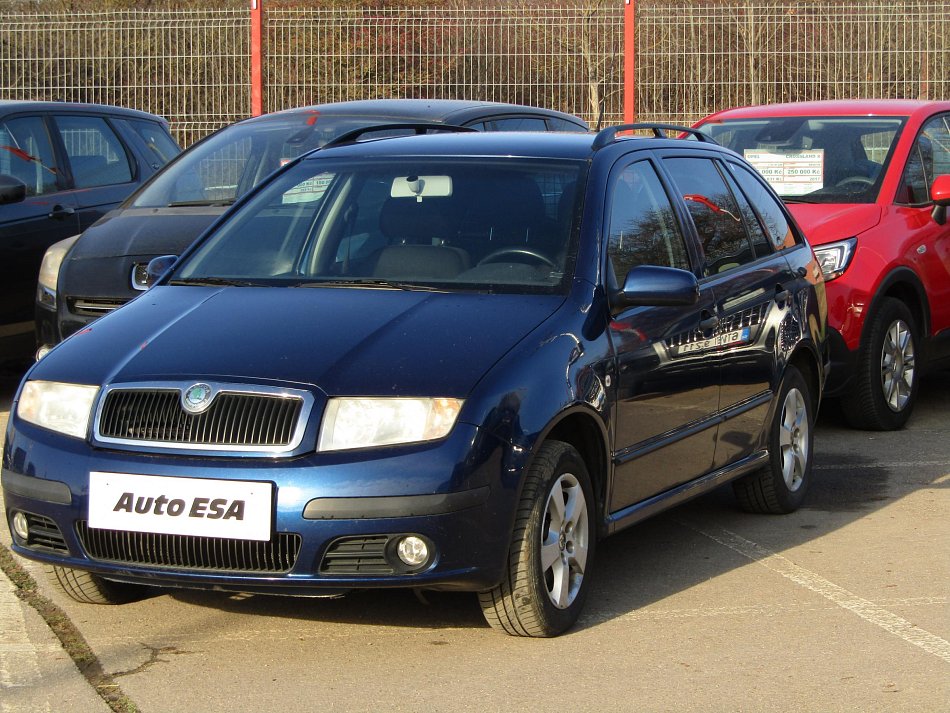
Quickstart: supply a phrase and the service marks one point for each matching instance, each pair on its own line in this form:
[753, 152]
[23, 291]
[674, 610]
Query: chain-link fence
[692, 56]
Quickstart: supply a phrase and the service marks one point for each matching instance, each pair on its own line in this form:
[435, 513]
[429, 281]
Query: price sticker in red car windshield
[233, 509]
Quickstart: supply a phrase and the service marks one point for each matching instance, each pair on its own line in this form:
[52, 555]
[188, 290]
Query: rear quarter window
[161, 146]
[773, 217]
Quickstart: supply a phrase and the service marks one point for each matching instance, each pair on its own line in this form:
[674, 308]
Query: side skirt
[647, 508]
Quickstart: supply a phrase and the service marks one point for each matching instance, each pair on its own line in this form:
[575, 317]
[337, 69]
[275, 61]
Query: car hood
[341, 340]
[144, 231]
[827, 223]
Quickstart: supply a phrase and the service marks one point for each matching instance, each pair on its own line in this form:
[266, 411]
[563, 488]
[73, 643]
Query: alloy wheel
[564, 541]
[897, 365]
[793, 439]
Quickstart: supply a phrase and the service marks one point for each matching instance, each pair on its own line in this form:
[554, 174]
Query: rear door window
[714, 211]
[96, 156]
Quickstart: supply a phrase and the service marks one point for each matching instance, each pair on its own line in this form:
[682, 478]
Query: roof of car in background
[448, 111]
[841, 107]
[515, 144]
[8, 106]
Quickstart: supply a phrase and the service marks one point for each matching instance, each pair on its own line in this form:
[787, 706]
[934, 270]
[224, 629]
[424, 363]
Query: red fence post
[629, 57]
[257, 75]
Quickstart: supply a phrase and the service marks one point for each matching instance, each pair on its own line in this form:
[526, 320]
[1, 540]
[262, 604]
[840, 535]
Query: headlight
[49, 271]
[366, 422]
[64, 408]
[834, 258]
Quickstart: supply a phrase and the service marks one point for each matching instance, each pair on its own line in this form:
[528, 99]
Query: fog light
[21, 526]
[413, 551]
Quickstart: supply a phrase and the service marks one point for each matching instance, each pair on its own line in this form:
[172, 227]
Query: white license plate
[234, 509]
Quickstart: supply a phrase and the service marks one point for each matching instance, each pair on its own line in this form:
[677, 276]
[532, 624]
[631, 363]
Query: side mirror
[157, 267]
[940, 195]
[12, 190]
[650, 285]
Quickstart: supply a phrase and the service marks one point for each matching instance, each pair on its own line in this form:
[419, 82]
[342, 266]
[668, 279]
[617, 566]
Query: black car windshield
[831, 159]
[483, 224]
[229, 163]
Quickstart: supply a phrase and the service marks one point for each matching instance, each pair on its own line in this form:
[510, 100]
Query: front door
[667, 393]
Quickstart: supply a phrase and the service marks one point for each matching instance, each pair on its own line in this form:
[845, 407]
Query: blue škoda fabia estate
[448, 361]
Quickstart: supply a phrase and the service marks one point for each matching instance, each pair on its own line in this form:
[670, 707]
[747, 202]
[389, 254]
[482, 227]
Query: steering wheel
[862, 180]
[523, 252]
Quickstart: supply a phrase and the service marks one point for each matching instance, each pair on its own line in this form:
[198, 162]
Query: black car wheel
[551, 551]
[780, 486]
[90, 588]
[884, 393]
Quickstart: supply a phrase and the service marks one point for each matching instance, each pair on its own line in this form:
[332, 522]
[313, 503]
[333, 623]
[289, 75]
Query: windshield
[428, 223]
[229, 163]
[815, 159]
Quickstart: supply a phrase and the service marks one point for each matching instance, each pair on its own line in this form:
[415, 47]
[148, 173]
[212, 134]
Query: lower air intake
[210, 554]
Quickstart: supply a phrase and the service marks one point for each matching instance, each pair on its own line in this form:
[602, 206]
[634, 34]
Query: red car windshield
[815, 159]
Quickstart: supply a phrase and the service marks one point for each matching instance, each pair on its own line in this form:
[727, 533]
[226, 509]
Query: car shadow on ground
[644, 565]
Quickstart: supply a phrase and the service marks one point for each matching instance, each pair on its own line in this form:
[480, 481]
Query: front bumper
[342, 515]
[843, 364]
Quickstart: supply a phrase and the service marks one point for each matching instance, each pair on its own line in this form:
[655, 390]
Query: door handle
[61, 212]
[710, 322]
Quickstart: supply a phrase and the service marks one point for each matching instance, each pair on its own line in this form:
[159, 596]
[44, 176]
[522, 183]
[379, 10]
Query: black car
[62, 166]
[106, 267]
[440, 362]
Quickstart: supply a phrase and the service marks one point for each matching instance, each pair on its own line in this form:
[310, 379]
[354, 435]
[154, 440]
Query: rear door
[753, 285]
[103, 170]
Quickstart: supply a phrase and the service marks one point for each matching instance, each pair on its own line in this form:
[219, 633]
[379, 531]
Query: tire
[90, 588]
[887, 378]
[552, 549]
[780, 486]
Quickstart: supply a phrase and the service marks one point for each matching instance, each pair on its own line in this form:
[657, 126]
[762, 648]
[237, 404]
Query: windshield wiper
[185, 204]
[372, 283]
[799, 199]
[214, 282]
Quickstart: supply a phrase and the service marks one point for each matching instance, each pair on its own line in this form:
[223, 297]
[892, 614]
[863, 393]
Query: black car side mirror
[940, 195]
[650, 285]
[157, 267]
[12, 190]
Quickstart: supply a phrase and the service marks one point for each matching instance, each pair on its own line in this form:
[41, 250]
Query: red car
[869, 182]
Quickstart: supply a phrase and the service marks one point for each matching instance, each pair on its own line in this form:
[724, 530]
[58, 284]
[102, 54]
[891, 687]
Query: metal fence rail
[189, 66]
[522, 53]
[692, 56]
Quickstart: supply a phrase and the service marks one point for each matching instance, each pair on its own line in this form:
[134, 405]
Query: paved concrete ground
[842, 606]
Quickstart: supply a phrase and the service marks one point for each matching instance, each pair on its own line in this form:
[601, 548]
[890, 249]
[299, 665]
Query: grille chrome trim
[207, 554]
[237, 424]
[94, 307]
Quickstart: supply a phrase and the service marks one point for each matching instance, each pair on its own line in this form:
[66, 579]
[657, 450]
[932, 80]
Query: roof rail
[609, 135]
[419, 127]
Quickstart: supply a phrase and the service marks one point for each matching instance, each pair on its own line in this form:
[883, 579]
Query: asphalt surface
[842, 606]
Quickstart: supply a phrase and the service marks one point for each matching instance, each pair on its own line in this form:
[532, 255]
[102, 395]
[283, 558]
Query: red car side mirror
[940, 195]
